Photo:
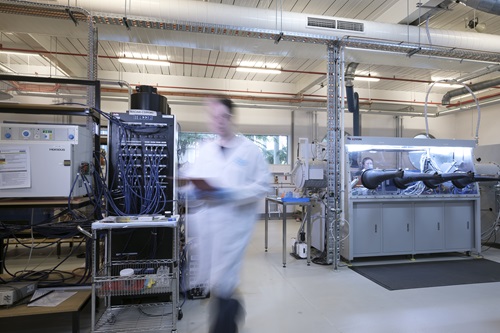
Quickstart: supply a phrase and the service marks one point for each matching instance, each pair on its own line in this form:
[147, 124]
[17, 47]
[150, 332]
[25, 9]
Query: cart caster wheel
[180, 315]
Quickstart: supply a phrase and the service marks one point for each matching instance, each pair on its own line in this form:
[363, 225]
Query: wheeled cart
[124, 284]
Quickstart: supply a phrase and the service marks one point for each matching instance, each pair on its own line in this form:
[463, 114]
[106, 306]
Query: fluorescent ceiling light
[143, 62]
[259, 70]
[6, 68]
[27, 53]
[365, 78]
[447, 85]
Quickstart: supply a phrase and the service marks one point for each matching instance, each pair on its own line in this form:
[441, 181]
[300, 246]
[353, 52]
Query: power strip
[13, 292]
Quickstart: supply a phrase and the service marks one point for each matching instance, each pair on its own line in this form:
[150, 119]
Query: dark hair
[364, 160]
[227, 102]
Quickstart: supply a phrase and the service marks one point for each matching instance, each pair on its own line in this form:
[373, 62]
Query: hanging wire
[476, 138]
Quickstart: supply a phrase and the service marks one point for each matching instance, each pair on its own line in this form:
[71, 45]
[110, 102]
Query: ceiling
[204, 61]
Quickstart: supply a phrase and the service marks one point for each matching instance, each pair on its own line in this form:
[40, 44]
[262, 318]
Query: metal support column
[92, 99]
[334, 147]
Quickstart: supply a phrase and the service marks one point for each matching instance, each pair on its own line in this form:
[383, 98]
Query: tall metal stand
[334, 147]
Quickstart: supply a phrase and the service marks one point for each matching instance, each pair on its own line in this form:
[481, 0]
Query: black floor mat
[431, 273]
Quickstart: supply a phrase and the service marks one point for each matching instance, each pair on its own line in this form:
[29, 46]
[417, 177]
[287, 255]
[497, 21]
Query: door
[367, 229]
[397, 222]
[429, 226]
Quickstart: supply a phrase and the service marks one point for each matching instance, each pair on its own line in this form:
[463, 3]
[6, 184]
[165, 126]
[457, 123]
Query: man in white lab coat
[228, 180]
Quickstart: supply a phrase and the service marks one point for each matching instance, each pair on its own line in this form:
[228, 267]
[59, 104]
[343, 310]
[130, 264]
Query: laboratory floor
[316, 299]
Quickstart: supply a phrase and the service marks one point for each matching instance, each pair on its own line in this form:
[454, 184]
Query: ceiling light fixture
[448, 85]
[445, 82]
[144, 62]
[259, 70]
[20, 53]
[6, 69]
[366, 78]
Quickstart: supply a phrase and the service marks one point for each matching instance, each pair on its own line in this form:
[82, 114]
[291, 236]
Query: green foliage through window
[274, 147]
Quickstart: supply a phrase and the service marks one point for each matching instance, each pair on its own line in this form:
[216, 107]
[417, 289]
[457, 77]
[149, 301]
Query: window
[274, 147]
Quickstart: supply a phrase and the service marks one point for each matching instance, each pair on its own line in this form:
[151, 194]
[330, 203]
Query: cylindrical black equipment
[411, 177]
[463, 182]
[444, 177]
[147, 98]
[372, 178]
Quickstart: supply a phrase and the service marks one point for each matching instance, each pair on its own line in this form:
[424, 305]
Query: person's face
[368, 164]
[220, 119]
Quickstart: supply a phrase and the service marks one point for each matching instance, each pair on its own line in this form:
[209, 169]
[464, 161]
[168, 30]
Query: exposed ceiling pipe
[475, 74]
[352, 97]
[478, 73]
[207, 17]
[466, 107]
[473, 87]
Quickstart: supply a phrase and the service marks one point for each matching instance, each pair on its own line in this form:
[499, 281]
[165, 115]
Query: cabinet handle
[375, 228]
[407, 227]
[439, 225]
[468, 225]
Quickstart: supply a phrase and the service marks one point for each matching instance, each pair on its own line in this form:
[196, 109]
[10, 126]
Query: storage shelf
[115, 278]
[137, 318]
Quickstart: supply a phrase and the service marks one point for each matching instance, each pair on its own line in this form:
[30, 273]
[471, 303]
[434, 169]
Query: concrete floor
[301, 298]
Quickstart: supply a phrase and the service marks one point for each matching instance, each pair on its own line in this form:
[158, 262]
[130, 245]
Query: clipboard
[200, 183]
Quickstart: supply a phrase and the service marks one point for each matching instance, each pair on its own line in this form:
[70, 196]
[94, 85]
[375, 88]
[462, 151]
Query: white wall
[465, 123]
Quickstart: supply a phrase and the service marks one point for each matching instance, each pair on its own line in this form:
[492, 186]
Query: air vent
[320, 23]
[351, 26]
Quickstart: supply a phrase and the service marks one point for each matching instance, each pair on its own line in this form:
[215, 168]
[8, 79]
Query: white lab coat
[221, 227]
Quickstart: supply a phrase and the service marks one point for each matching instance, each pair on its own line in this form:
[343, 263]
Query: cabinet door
[367, 229]
[429, 226]
[459, 224]
[397, 222]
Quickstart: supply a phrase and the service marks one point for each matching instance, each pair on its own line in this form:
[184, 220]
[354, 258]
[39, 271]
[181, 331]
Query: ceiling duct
[487, 6]
[473, 87]
[229, 20]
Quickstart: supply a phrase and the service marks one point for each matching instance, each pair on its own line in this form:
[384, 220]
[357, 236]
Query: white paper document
[49, 297]
[15, 171]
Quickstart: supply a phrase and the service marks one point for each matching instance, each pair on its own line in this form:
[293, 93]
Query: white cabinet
[429, 226]
[367, 229]
[412, 227]
[397, 226]
[459, 225]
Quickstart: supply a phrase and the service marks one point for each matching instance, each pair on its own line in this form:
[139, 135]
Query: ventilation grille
[333, 24]
[351, 26]
[320, 23]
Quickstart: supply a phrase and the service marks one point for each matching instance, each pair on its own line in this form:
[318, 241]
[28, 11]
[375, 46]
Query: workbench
[72, 305]
[305, 203]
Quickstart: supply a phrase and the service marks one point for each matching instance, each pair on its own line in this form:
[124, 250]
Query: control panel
[41, 133]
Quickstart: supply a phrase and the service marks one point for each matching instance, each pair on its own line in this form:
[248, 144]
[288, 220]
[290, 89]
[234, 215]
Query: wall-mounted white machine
[44, 160]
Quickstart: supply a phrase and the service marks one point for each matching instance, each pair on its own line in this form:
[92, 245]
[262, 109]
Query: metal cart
[142, 277]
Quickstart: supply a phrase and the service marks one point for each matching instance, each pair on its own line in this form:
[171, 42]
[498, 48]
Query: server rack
[142, 163]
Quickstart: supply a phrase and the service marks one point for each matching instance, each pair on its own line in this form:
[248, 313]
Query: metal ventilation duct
[220, 19]
[463, 91]
[488, 6]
